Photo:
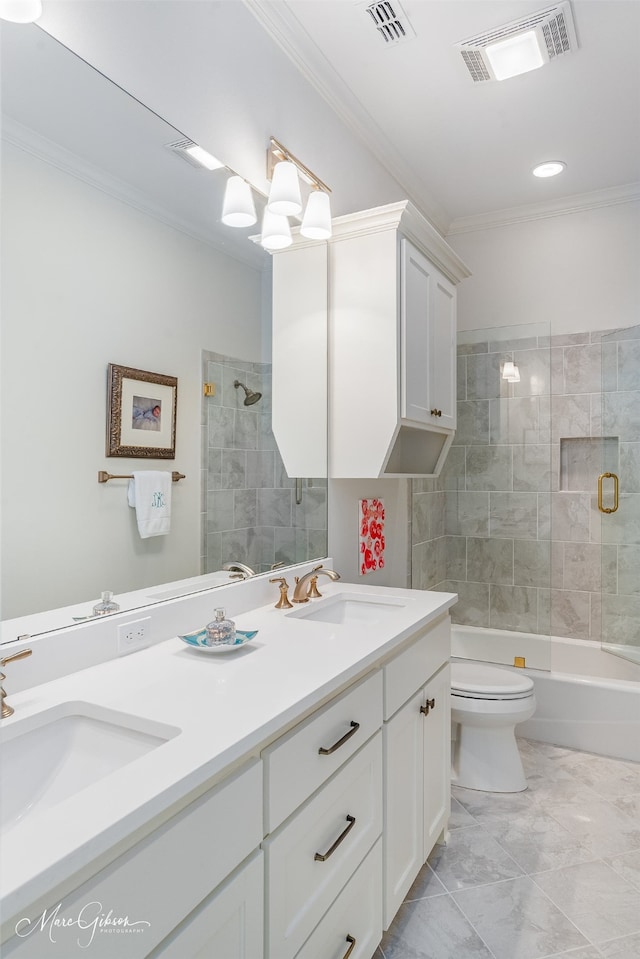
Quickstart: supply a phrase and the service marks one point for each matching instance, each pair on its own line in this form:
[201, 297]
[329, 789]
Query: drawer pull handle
[436, 412]
[430, 704]
[327, 752]
[343, 835]
[352, 946]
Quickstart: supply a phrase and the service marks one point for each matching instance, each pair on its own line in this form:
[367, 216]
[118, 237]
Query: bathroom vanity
[276, 802]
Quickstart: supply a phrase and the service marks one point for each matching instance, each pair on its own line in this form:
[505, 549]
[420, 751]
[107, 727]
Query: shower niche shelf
[583, 458]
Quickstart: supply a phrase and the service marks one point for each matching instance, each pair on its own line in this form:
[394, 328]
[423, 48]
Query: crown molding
[27, 140]
[288, 33]
[579, 203]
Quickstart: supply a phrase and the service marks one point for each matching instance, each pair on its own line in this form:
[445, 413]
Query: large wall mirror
[113, 253]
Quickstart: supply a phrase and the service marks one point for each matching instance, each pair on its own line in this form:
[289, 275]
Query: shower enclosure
[513, 523]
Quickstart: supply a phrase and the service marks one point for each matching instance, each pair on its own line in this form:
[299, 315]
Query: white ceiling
[460, 148]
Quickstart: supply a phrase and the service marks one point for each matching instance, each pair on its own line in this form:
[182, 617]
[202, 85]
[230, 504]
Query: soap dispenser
[221, 630]
[106, 604]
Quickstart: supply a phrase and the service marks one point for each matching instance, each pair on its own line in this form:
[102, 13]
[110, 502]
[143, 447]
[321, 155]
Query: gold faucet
[8, 710]
[283, 602]
[305, 585]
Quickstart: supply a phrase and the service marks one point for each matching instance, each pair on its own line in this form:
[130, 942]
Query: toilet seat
[479, 681]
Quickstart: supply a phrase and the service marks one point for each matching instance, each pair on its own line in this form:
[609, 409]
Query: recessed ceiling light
[549, 168]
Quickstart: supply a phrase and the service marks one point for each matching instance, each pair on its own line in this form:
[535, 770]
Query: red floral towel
[371, 519]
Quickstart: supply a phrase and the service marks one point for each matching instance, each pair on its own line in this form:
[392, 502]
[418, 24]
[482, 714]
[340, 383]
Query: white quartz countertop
[226, 707]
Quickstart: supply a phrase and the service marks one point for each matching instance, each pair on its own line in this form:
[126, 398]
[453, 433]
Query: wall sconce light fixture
[510, 372]
[238, 208]
[285, 172]
[20, 11]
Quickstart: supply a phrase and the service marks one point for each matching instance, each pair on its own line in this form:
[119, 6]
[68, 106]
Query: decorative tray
[198, 640]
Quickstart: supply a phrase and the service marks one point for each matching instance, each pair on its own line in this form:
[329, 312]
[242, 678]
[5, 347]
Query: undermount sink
[348, 609]
[49, 757]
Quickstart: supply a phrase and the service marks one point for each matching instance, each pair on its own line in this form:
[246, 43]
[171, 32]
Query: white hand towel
[150, 494]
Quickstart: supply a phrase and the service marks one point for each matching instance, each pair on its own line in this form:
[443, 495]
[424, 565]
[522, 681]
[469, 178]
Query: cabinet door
[437, 758]
[404, 818]
[428, 341]
[229, 923]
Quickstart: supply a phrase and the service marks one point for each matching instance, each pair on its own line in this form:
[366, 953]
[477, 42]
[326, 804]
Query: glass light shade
[515, 55]
[510, 372]
[284, 195]
[238, 208]
[20, 11]
[276, 234]
[549, 168]
[316, 222]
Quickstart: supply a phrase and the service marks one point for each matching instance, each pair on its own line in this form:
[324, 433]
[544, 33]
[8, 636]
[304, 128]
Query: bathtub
[587, 698]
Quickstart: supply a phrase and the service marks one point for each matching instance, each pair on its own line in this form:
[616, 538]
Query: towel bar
[104, 477]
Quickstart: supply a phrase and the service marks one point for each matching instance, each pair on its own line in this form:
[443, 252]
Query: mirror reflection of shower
[250, 396]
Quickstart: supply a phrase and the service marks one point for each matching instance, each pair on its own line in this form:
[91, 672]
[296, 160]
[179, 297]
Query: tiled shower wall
[249, 510]
[512, 524]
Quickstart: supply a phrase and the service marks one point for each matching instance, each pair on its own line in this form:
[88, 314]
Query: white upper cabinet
[392, 338]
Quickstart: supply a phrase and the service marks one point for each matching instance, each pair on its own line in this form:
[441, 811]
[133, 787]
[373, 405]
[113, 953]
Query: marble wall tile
[629, 365]
[582, 459]
[557, 370]
[472, 608]
[454, 557]
[464, 349]
[610, 366]
[628, 580]
[621, 415]
[261, 469]
[221, 421]
[513, 607]
[583, 369]
[473, 423]
[513, 515]
[609, 561]
[489, 468]
[452, 475]
[213, 552]
[484, 379]
[274, 507]
[623, 526]
[219, 510]
[531, 563]
[514, 420]
[467, 514]
[532, 467]
[570, 612]
[621, 619]
[489, 560]
[245, 508]
[284, 545]
[582, 566]
[570, 517]
[630, 467]
[535, 372]
[312, 511]
[422, 508]
[266, 439]
[213, 460]
[427, 565]
[508, 345]
[570, 416]
[570, 339]
[234, 469]
[461, 378]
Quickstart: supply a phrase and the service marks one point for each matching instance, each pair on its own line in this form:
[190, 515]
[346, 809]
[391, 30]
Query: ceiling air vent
[391, 21]
[552, 28]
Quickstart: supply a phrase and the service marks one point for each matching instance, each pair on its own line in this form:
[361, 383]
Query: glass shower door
[618, 492]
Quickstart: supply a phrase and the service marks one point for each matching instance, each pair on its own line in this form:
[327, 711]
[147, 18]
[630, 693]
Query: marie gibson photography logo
[91, 920]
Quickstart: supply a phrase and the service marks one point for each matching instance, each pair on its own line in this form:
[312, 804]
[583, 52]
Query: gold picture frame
[141, 413]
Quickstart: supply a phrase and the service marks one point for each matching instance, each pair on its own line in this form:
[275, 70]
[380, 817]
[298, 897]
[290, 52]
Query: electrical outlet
[134, 636]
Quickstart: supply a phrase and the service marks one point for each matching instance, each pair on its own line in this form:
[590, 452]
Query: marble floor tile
[471, 857]
[538, 842]
[459, 816]
[627, 865]
[433, 929]
[596, 899]
[626, 948]
[589, 952]
[426, 884]
[610, 779]
[517, 920]
[600, 825]
[485, 806]
[564, 788]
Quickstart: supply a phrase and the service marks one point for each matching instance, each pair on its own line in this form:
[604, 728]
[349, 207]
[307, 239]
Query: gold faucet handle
[7, 710]
[283, 602]
[314, 592]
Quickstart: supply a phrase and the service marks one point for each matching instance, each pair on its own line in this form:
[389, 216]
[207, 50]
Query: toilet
[487, 703]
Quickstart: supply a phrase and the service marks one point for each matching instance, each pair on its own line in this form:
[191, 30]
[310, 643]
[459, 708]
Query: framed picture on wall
[141, 413]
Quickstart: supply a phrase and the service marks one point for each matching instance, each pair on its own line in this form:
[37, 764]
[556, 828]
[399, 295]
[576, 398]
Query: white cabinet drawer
[228, 925]
[301, 761]
[354, 921]
[160, 880]
[340, 823]
[405, 674]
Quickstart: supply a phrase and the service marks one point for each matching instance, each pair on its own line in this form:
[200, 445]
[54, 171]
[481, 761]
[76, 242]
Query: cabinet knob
[430, 704]
[435, 412]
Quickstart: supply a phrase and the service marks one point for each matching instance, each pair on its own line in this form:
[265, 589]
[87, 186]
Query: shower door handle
[616, 483]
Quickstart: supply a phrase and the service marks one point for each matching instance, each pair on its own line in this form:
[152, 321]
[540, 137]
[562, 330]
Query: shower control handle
[430, 704]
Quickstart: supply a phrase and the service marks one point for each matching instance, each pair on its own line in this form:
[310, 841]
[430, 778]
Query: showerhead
[250, 397]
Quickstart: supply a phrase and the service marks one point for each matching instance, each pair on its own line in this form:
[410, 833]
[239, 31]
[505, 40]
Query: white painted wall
[578, 271]
[86, 281]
